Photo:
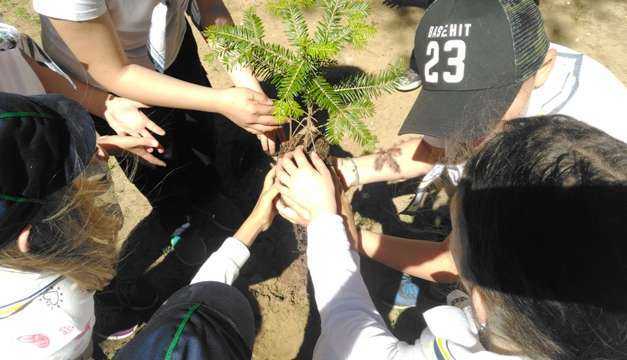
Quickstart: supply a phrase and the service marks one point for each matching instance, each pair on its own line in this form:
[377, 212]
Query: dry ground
[595, 27]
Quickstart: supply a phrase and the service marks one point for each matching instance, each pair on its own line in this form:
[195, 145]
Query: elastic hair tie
[24, 114]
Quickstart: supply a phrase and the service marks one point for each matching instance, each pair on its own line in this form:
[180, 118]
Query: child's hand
[305, 188]
[124, 116]
[270, 140]
[138, 146]
[298, 216]
[248, 109]
[264, 211]
[262, 215]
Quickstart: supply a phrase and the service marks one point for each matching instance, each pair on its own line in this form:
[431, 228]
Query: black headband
[45, 143]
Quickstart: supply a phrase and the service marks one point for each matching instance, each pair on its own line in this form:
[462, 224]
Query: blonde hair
[80, 236]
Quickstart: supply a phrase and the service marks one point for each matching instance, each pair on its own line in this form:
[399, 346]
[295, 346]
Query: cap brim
[443, 114]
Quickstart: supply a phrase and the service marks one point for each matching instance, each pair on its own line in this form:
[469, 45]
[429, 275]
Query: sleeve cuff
[77, 12]
[327, 231]
[235, 250]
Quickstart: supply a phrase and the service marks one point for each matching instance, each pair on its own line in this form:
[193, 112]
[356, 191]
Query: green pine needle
[369, 86]
[286, 110]
[324, 95]
[293, 81]
[275, 7]
[297, 71]
[347, 121]
[254, 23]
[295, 26]
[240, 44]
[322, 51]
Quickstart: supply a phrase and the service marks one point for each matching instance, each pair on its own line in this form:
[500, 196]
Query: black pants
[207, 320]
[201, 150]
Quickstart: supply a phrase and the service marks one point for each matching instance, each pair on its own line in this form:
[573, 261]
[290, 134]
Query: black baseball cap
[473, 56]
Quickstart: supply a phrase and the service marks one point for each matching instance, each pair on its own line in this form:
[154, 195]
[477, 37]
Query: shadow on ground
[374, 203]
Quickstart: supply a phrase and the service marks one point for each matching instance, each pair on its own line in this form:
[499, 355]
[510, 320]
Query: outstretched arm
[224, 264]
[107, 64]
[423, 259]
[123, 115]
[409, 159]
[351, 326]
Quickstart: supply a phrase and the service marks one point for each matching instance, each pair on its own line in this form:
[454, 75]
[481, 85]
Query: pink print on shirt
[40, 340]
[66, 329]
[85, 330]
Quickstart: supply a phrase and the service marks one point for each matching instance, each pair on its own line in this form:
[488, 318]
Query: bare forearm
[410, 159]
[424, 259]
[108, 66]
[152, 88]
[248, 232]
[89, 97]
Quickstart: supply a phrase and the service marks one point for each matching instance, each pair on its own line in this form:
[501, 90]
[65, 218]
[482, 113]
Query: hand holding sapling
[270, 140]
[306, 187]
[248, 109]
[296, 217]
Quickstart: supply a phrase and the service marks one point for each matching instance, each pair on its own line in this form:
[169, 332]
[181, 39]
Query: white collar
[455, 328]
[18, 285]
[561, 85]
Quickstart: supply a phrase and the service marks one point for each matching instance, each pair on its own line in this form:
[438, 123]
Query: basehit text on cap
[449, 30]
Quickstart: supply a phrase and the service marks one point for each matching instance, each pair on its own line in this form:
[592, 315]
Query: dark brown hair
[544, 238]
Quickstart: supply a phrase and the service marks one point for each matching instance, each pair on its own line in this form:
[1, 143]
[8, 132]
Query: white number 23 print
[458, 49]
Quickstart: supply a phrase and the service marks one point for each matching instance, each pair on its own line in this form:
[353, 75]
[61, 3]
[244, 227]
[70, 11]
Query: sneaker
[116, 323]
[116, 316]
[409, 81]
[123, 334]
[429, 185]
[407, 294]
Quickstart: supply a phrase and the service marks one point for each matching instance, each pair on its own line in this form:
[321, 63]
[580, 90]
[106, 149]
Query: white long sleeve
[224, 264]
[352, 328]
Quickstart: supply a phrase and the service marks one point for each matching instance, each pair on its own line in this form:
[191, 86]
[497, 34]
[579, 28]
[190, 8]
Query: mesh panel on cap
[530, 40]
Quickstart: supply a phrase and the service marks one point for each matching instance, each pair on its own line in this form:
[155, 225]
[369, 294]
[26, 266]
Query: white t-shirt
[146, 29]
[43, 316]
[581, 87]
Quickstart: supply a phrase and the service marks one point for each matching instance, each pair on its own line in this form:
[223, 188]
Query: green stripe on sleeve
[23, 114]
[179, 331]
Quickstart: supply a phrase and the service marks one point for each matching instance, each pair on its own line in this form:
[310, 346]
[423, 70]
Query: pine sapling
[299, 71]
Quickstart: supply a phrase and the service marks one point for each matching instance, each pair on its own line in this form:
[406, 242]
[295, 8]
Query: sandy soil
[277, 288]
